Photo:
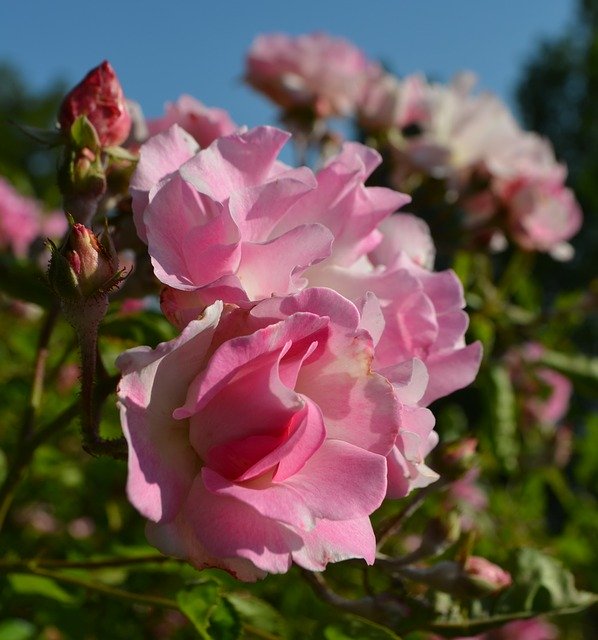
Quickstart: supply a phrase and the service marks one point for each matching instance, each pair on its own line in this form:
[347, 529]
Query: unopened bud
[476, 578]
[486, 576]
[456, 458]
[86, 266]
[99, 96]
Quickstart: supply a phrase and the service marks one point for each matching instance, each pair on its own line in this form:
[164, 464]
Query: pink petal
[159, 157]
[161, 462]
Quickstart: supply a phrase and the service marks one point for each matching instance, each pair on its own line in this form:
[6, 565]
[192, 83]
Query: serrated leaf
[16, 629]
[542, 584]
[351, 627]
[224, 622]
[504, 425]
[257, 613]
[198, 604]
[39, 586]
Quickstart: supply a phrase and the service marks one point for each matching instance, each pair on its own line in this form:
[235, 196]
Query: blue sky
[161, 50]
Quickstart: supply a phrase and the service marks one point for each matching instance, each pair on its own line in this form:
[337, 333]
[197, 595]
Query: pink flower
[100, 97]
[312, 71]
[420, 312]
[20, 220]
[232, 222]
[258, 438]
[546, 392]
[203, 123]
[388, 102]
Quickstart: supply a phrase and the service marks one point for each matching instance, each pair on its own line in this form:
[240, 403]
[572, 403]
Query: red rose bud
[100, 97]
[86, 267]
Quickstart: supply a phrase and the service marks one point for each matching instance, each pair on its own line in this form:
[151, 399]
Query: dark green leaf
[257, 613]
[198, 604]
[575, 365]
[352, 627]
[16, 629]
[23, 281]
[504, 425]
[49, 137]
[39, 586]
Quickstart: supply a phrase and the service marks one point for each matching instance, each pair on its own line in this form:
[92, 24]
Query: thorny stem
[100, 587]
[39, 371]
[91, 364]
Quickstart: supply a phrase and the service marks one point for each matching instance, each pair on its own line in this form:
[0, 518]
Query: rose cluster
[314, 334]
[505, 181]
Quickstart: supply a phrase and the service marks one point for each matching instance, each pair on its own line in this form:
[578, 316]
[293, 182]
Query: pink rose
[420, 312]
[546, 392]
[316, 71]
[100, 97]
[232, 222]
[388, 102]
[203, 123]
[258, 438]
[21, 220]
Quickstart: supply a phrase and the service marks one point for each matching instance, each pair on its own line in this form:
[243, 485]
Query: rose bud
[476, 578]
[100, 97]
[486, 576]
[86, 266]
[456, 458]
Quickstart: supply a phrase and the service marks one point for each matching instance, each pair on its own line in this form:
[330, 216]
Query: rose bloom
[234, 223]
[316, 71]
[546, 392]
[258, 437]
[99, 96]
[205, 124]
[22, 220]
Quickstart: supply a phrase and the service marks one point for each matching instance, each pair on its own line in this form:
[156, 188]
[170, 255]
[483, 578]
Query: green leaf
[119, 153]
[39, 586]
[49, 137]
[587, 449]
[574, 365]
[257, 613]
[16, 629]
[483, 329]
[542, 584]
[224, 622]
[143, 328]
[200, 603]
[24, 281]
[504, 424]
[84, 135]
[351, 627]
[3, 468]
